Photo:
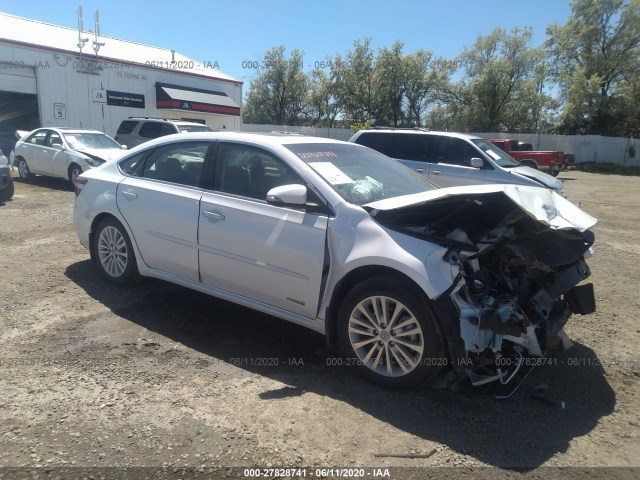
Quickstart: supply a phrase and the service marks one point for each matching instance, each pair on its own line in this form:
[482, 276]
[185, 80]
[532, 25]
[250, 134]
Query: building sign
[99, 95]
[59, 110]
[124, 99]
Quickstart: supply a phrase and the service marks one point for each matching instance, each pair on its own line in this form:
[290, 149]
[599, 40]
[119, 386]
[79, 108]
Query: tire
[114, 253]
[23, 169]
[7, 193]
[388, 362]
[74, 171]
[555, 173]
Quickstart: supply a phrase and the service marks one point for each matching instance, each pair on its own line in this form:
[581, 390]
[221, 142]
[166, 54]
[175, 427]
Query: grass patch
[607, 168]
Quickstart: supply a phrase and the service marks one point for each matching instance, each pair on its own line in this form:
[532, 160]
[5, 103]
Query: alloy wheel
[112, 250]
[386, 336]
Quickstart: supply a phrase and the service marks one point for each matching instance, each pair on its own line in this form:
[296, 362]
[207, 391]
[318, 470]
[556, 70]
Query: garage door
[18, 80]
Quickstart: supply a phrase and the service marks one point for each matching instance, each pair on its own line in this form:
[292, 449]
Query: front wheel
[391, 333]
[74, 172]
[555, 172]
[114, 253]
[23, 169]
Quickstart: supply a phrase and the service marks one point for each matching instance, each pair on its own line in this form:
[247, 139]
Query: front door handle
[130, 195]
[213, 215]
[436, 172]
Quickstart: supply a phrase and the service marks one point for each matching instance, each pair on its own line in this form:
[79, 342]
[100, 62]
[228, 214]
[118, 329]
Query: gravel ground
[95, 376]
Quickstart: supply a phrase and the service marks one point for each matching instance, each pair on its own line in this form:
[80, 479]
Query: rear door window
[38, 138]
[150, 130]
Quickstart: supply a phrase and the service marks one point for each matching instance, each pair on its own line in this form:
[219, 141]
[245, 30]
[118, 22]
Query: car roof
[68, 130]
[419, 132]
[168, 120]
[273, 139]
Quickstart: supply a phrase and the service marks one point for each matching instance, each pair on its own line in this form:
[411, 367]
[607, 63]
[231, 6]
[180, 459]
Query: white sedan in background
[63, 152]
[410, 279]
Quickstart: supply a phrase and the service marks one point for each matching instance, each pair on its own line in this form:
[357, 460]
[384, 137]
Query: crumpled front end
[520, 256]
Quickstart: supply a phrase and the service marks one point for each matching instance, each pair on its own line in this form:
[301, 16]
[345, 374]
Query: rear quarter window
[380, 142]
[402, 146]
[131, 165]
[126, 127]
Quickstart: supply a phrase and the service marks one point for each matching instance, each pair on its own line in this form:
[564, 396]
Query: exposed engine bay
[517, 276]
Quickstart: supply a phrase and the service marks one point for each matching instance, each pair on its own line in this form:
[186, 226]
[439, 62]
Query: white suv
[408, 278]
[136, 130]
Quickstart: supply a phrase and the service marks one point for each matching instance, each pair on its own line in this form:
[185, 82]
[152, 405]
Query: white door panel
[164, 222]
[271, 254]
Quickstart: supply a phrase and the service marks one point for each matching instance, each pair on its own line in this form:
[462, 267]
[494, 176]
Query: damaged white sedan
[408, 278]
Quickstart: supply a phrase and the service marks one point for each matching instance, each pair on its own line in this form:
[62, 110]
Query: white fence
[586, 148]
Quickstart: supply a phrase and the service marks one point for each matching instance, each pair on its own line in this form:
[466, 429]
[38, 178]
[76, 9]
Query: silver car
[453, 159]
[410, 279]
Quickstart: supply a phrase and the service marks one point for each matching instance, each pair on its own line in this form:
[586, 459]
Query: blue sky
[235, 31]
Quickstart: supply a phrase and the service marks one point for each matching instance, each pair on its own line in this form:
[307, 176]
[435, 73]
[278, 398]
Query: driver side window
[250, 171]
[54, 138]
[455, 151]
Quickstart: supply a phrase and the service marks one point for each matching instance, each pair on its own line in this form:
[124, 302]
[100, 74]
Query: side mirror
[123, 147]
[58, 146]
[477, 162]
[288, 196]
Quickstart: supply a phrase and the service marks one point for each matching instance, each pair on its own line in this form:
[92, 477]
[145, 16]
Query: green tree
[499, 72]
[422, 78]
[354, 74]
[390, 85]
[596, 52]
[278, 94]
[323, 106]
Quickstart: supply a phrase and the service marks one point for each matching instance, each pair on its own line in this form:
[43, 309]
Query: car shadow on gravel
[46, 182]
[519, 433]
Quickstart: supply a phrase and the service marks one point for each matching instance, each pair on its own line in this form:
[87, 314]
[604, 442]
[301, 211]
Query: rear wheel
[391, 333]
[114, 253]
[23, 169]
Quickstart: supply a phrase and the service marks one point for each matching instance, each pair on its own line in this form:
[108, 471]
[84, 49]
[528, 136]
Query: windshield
[495, 154]
[194, 128]
[359, 174]
[99, 141]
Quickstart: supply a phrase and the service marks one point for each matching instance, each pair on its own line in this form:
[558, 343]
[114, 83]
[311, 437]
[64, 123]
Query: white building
[46, 80]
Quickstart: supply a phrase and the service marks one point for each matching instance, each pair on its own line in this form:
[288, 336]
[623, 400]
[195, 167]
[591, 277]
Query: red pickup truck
[551, 162]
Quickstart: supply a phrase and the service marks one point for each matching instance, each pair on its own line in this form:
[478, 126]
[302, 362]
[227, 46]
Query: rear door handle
[213, 215]
[420, 170]
[130, 195]
[436, 172]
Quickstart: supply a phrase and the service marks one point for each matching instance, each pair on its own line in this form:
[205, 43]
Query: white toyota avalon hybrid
[410, 279]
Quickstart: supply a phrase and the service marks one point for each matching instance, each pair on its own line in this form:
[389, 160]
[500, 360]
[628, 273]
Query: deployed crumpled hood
[545, 178]
[103, 153]
[541, 204]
